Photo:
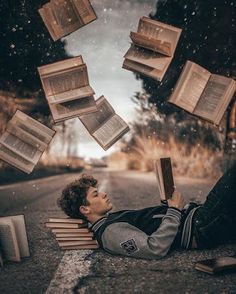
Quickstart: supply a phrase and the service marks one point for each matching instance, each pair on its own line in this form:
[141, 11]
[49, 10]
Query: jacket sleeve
[125, 239]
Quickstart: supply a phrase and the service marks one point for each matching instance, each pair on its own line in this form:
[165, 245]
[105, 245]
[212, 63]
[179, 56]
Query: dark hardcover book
[165, 178]
[216, 265]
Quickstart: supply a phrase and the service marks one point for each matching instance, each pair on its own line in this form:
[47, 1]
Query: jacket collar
[95, 226]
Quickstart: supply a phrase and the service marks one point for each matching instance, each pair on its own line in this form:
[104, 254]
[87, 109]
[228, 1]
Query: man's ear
[85, 210]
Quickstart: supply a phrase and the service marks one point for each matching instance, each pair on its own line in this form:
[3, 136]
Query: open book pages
[15, 160]
[141, 69]
[24, 141]
[164, 177]
[190, 86]
[67, 89]
[85, 91]
[215, 98]
[23, 149]
[32, 127]
[156, 36]
[8, 240]
[71, 109]
[60, 66]
[143, 59]
[64, 80]
[201, 93]
[104, 125]
[13, 237]
[63, 17]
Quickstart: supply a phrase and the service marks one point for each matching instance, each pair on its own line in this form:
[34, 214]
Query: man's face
[99, 203]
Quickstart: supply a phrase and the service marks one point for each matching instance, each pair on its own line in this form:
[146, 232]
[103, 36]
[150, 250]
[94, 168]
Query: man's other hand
[177, 201]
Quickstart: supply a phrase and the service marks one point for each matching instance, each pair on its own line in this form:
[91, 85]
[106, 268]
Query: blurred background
[197, 148]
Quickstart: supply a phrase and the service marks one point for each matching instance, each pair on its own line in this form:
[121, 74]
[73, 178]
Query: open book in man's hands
[216, 265]
[165, 178]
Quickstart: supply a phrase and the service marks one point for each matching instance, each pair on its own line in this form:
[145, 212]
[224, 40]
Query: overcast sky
[103, 44]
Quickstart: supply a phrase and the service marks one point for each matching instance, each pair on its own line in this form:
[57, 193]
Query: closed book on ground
[105, 126]
[67, 89]
[62, 225]
[63, 17]
[80, 238]
[164, 175]
[83, 229]
[13, 238]
[203, 94]
[24, 141]
[82, 247]
[77, 243]
[216, 265]
[152, 49]
[71, 235]
[65, 220]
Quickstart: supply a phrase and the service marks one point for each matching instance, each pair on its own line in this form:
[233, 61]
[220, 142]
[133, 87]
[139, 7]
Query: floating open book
[165, 178]
[216, 265]
[203, 94]
[63, 17]
[105, 126]
[153, 48]
[67, 89]
[24, 141]
[13, 238]
[72, 233]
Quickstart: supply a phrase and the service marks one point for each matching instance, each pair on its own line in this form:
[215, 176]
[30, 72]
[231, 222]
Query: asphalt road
[47, 270]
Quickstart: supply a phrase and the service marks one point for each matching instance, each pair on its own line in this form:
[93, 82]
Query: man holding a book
[154, 231]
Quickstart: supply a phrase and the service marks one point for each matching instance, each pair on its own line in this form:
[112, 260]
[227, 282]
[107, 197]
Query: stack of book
[72, 233]
[63, 17]
[152, 49]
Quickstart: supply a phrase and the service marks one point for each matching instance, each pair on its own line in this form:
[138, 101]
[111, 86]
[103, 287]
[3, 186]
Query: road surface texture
[52, 271]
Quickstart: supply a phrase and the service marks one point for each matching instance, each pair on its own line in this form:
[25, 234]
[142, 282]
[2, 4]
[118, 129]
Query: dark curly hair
[74, 195]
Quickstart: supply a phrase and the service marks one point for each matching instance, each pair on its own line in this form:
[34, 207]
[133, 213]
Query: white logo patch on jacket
[129, 246]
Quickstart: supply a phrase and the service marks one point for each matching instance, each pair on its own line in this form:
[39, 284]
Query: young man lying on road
[152, 232]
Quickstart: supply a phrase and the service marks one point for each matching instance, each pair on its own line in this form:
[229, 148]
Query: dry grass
[188, 161]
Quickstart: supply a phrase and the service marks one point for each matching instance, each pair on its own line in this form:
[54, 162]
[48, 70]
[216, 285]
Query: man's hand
[176, 201]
